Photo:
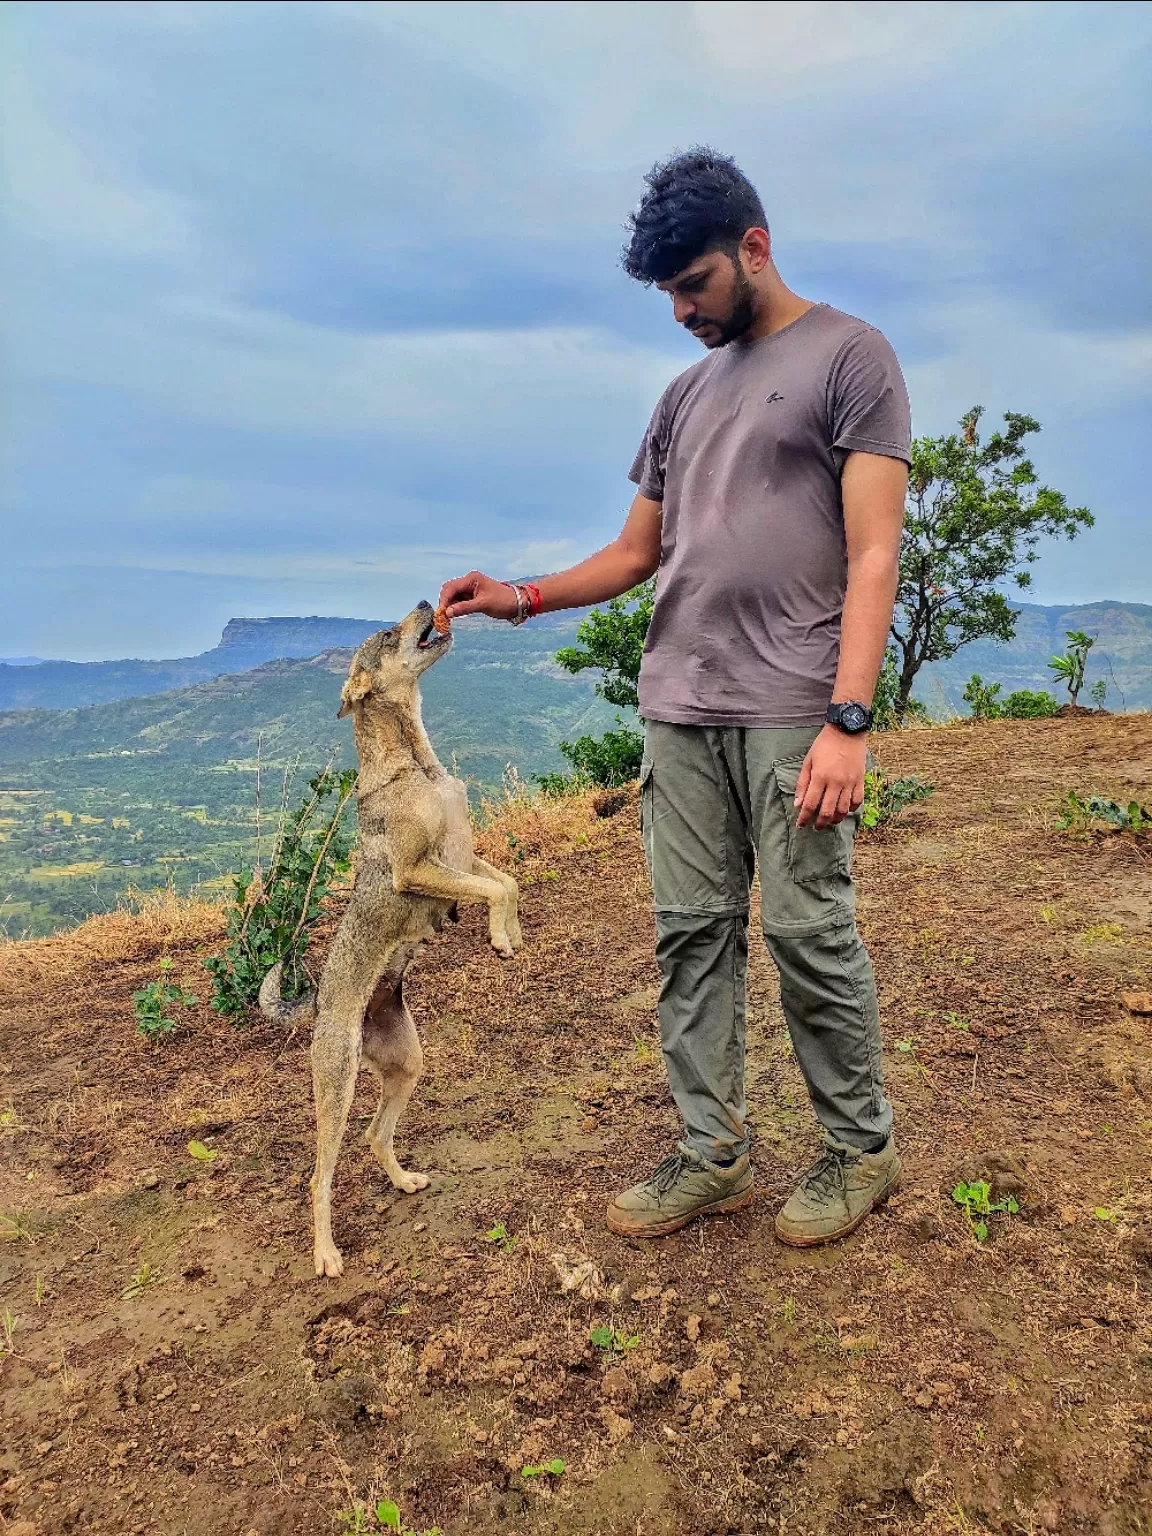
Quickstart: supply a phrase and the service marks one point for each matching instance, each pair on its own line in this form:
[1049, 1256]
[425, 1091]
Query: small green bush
[611, 760]
[270, 916]
[1079, 814]
[1029, 704]
[982, 698]
[884, 798]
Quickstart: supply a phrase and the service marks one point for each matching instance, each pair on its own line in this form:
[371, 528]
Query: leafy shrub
[152, 1003]
[613, 641]
[884, 798]
[1029, 704]
[271, 914]
[554, 786]
[981, 698]
[611, 760]
[1079, 814]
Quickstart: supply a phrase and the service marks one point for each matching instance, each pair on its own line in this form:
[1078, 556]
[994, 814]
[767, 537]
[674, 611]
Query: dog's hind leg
[336, 1050]
[479, 867]
[392, 1052]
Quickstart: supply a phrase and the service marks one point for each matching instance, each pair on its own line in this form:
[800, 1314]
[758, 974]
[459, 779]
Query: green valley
[142, 792]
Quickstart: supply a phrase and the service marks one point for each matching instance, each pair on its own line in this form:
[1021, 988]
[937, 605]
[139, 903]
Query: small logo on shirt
[775, 395]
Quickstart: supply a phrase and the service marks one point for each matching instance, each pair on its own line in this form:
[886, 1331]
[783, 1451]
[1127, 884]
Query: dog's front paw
[515, 937]
[503, 948]
[327, 1260]
[411, 1182]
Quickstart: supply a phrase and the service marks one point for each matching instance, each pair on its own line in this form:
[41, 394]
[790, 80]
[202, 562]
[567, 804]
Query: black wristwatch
[851, 717]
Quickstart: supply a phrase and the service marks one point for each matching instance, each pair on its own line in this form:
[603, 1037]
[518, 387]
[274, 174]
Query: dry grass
[153, 924]
[909, 1382]
[521, 828]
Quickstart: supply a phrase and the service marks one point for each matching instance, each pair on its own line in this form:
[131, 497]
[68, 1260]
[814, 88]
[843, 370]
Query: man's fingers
[458, 590]
[830, 812]
[454, 610]
[811, 800]
[802, 781]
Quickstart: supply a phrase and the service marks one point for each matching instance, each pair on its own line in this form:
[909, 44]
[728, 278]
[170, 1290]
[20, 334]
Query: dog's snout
[424, 603]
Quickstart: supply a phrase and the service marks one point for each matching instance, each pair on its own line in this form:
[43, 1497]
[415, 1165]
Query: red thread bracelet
[536, 602]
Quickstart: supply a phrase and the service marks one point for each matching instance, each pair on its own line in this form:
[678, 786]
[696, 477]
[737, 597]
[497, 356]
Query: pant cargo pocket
[813, 854]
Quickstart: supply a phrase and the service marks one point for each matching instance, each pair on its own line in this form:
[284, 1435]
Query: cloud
[296, 287]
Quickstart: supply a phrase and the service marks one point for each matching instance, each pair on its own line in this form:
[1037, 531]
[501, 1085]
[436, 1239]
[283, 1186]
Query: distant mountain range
[1122, 656]
[163, 786]
[111, 776]
[246, 643]
[27, 682]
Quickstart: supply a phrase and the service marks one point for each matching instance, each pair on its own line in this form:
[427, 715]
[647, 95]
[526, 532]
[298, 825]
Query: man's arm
[831, 782]
[630, 558]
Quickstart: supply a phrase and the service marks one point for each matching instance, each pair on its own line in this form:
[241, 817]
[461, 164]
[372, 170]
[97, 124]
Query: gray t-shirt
[745, 451]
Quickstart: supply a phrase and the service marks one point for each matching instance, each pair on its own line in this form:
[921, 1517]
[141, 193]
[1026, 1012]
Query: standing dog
[416, 862]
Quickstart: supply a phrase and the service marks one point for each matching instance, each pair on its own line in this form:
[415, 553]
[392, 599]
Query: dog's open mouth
[429, 638]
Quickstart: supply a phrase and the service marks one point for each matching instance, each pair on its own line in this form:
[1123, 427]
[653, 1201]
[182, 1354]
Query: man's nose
[682, 309]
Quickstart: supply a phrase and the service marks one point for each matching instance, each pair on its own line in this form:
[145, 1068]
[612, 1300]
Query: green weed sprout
[153, 1003]
[613, 1341]
[976, 1203]
[553, 1468]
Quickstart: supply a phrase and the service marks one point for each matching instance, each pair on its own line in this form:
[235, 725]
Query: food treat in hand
[441, 621]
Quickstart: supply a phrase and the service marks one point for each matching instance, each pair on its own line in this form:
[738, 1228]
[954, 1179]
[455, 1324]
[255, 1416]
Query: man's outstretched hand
[477, 593]
[831, 782]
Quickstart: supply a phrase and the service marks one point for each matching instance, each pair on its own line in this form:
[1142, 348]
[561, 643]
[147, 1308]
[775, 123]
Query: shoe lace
[665, 1174]
[827, 1173]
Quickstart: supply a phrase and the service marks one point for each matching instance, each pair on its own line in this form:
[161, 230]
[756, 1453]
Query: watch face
[854, 717]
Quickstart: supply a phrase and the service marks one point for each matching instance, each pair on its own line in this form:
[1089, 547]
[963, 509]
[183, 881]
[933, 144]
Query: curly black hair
[697, 201]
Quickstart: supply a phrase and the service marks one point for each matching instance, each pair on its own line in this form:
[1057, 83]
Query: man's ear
[354, 692]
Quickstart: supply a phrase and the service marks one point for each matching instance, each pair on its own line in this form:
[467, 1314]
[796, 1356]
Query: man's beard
[739, 320]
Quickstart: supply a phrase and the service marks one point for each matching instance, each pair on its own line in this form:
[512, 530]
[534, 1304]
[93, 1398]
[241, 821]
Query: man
[771, 496]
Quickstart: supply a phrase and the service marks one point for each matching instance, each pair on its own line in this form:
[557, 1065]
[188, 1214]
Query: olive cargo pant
[714, 800]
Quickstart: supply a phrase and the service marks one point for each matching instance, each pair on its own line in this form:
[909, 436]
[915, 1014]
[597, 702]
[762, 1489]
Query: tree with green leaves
[975, 515]
[612, 639]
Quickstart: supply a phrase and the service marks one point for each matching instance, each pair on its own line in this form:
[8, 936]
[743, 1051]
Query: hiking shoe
[837, 1192]
[684, 1186]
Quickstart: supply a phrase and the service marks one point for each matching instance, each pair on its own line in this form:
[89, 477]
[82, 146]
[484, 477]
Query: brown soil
[171, 1365]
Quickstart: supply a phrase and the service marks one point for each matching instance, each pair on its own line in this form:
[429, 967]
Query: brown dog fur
[416, 862]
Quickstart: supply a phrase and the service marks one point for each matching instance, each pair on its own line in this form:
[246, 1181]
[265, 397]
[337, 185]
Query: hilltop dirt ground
[171, 1365]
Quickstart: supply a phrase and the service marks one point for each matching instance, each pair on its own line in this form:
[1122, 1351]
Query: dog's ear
[354, 692]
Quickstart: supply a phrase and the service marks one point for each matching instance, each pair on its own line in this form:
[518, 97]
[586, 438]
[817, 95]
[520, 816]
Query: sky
[312, 306]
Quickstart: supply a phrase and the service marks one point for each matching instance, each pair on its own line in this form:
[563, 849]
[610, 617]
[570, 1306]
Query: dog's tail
[300, 1010]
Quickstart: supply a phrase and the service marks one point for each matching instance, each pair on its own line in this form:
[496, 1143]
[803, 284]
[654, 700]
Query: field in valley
[169, 1364]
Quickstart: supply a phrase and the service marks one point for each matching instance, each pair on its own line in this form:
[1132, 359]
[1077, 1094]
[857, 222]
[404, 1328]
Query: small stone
[699, 1381]
[433, 1360]
[589, 1124]
[421, 1226]
[617, 1385]
[692, 1327]
[618, 1427]
[150, 1180]
[713, 1298]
